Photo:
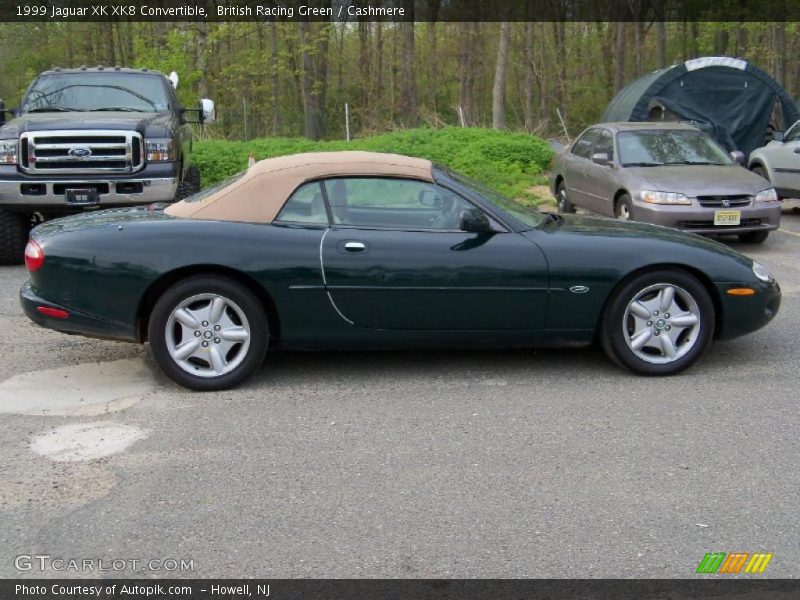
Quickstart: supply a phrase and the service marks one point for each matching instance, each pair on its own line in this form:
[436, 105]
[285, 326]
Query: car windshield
[107, 91]
[523, 213]
[657, 147]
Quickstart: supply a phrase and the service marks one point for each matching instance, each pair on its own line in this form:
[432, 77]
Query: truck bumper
[38, 194]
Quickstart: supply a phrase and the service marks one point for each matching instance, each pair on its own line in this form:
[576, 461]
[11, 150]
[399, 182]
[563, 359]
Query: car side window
[583, 147]
[604, 144]
[305, 205]
[393, 203]
[793, 134]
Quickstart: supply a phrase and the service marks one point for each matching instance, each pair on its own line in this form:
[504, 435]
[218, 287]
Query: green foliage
[508, 162]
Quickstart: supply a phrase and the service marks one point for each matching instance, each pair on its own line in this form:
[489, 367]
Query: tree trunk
[408, 83]
[501, 68]
[661, 42]
[274, 92]
[619, 56]
[465, 72]
[779, 51]
[310, 109]
[529, 76]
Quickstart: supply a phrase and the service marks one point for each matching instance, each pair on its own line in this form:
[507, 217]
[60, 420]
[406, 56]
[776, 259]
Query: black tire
[14, 230]
[563, 205]
[754, 237]
[230, 290]
[760, 171]
[613, 336]
[190, 184]
[623, 209]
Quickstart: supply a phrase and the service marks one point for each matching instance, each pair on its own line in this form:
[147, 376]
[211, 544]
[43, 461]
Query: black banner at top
[399, 10]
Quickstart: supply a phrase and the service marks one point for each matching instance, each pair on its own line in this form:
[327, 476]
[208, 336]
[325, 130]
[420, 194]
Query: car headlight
[656, 197]
[769, 195]
[159, 149]
[762, 273]
[8, 152]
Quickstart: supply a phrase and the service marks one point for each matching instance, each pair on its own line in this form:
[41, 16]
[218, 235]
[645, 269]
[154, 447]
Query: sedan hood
[700, 180]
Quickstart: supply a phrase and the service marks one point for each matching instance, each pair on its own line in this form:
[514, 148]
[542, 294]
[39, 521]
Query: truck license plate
[81, 196]
[727, 217]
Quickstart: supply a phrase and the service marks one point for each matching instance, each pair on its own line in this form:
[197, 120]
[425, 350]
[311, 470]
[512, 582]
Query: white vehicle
[779, 162]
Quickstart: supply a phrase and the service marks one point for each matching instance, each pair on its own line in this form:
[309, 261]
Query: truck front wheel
[189, 185]
[14, 229]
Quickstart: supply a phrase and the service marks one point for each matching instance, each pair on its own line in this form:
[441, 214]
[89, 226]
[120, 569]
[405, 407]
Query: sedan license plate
[727, 217]
[81, 196]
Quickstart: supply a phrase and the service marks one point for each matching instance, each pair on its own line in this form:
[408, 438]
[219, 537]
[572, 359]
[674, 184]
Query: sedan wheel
[623, 209]
[208, 333]
[563, 204]
[658, 323]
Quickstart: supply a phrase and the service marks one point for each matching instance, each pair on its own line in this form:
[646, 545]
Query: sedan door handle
[355, 246]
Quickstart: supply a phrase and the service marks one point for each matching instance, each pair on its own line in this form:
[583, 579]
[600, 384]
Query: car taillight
[34, 256]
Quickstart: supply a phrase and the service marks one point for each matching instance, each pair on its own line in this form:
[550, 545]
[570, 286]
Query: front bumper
[764, 216]
[77, 322]
[111, 192]
[744, 314]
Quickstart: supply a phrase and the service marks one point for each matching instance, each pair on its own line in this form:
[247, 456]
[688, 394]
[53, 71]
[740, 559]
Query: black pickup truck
[92, 138]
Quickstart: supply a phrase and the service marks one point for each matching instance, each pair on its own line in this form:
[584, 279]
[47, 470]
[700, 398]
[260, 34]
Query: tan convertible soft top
[261, 192]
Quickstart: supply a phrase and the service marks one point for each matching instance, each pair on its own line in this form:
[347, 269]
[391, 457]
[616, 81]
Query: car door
[575, 162]
[784, 160]
[599, 179]
[396, 259]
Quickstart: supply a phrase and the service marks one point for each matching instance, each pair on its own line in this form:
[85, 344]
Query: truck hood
[148, 124]
[700, 180]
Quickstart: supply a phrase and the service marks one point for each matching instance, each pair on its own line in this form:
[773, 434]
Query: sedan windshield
[523, 213]
[659, 147]
[69, 92]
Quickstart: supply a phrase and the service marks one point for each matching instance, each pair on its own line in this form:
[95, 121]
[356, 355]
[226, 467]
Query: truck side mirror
[208, 112]
[777, 136]
[738, 157]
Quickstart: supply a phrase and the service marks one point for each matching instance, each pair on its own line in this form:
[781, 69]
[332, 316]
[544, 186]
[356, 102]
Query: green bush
[508, 162]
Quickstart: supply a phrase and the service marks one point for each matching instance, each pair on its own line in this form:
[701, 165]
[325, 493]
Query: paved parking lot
[471, 464]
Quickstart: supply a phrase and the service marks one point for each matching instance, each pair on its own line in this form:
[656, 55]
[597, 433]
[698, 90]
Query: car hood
[700, 180]
[653, 234]
[148, 124]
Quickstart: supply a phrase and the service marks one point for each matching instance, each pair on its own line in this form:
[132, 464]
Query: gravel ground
[467, 464]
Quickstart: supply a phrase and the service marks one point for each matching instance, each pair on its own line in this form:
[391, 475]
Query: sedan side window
[604, 144]
[305, 205]
[583, 147]
[393, 203]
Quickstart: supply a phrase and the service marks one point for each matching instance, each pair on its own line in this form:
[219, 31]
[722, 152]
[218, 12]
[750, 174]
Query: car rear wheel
[563, 204]
[658, 323]
[14, 230]
[208, 333]
[623, 210]
[754, 237]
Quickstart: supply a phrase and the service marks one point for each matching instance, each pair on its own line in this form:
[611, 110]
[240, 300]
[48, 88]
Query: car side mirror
[474, 220]
[208, 113]
[738, 157]
[430, 199]
[600, 158]
[777, 136]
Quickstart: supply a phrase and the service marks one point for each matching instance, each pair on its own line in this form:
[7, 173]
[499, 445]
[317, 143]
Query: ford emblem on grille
[80, 152]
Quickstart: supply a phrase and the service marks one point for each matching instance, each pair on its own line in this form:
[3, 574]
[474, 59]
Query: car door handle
[355, 247]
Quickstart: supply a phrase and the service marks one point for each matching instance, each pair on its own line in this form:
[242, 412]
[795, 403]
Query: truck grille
[720, 201]
[81, 152]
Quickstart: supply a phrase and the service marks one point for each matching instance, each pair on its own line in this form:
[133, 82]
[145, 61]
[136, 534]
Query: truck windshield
[653, 148]
[109, 91]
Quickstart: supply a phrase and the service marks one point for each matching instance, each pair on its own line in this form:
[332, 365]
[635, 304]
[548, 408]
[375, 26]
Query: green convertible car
[371, 251]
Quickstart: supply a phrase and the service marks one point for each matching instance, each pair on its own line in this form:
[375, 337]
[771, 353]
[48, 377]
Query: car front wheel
[208, 333]
[563, 204]
[658, 323]
[623, 210]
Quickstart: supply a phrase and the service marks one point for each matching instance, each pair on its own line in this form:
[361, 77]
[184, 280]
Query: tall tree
[408, 82]
[501, 68]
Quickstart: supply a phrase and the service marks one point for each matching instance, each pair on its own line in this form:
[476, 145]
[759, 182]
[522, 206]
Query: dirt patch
[86, 441]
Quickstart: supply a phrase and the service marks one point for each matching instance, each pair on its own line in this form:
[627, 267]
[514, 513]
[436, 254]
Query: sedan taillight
[34, 256]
